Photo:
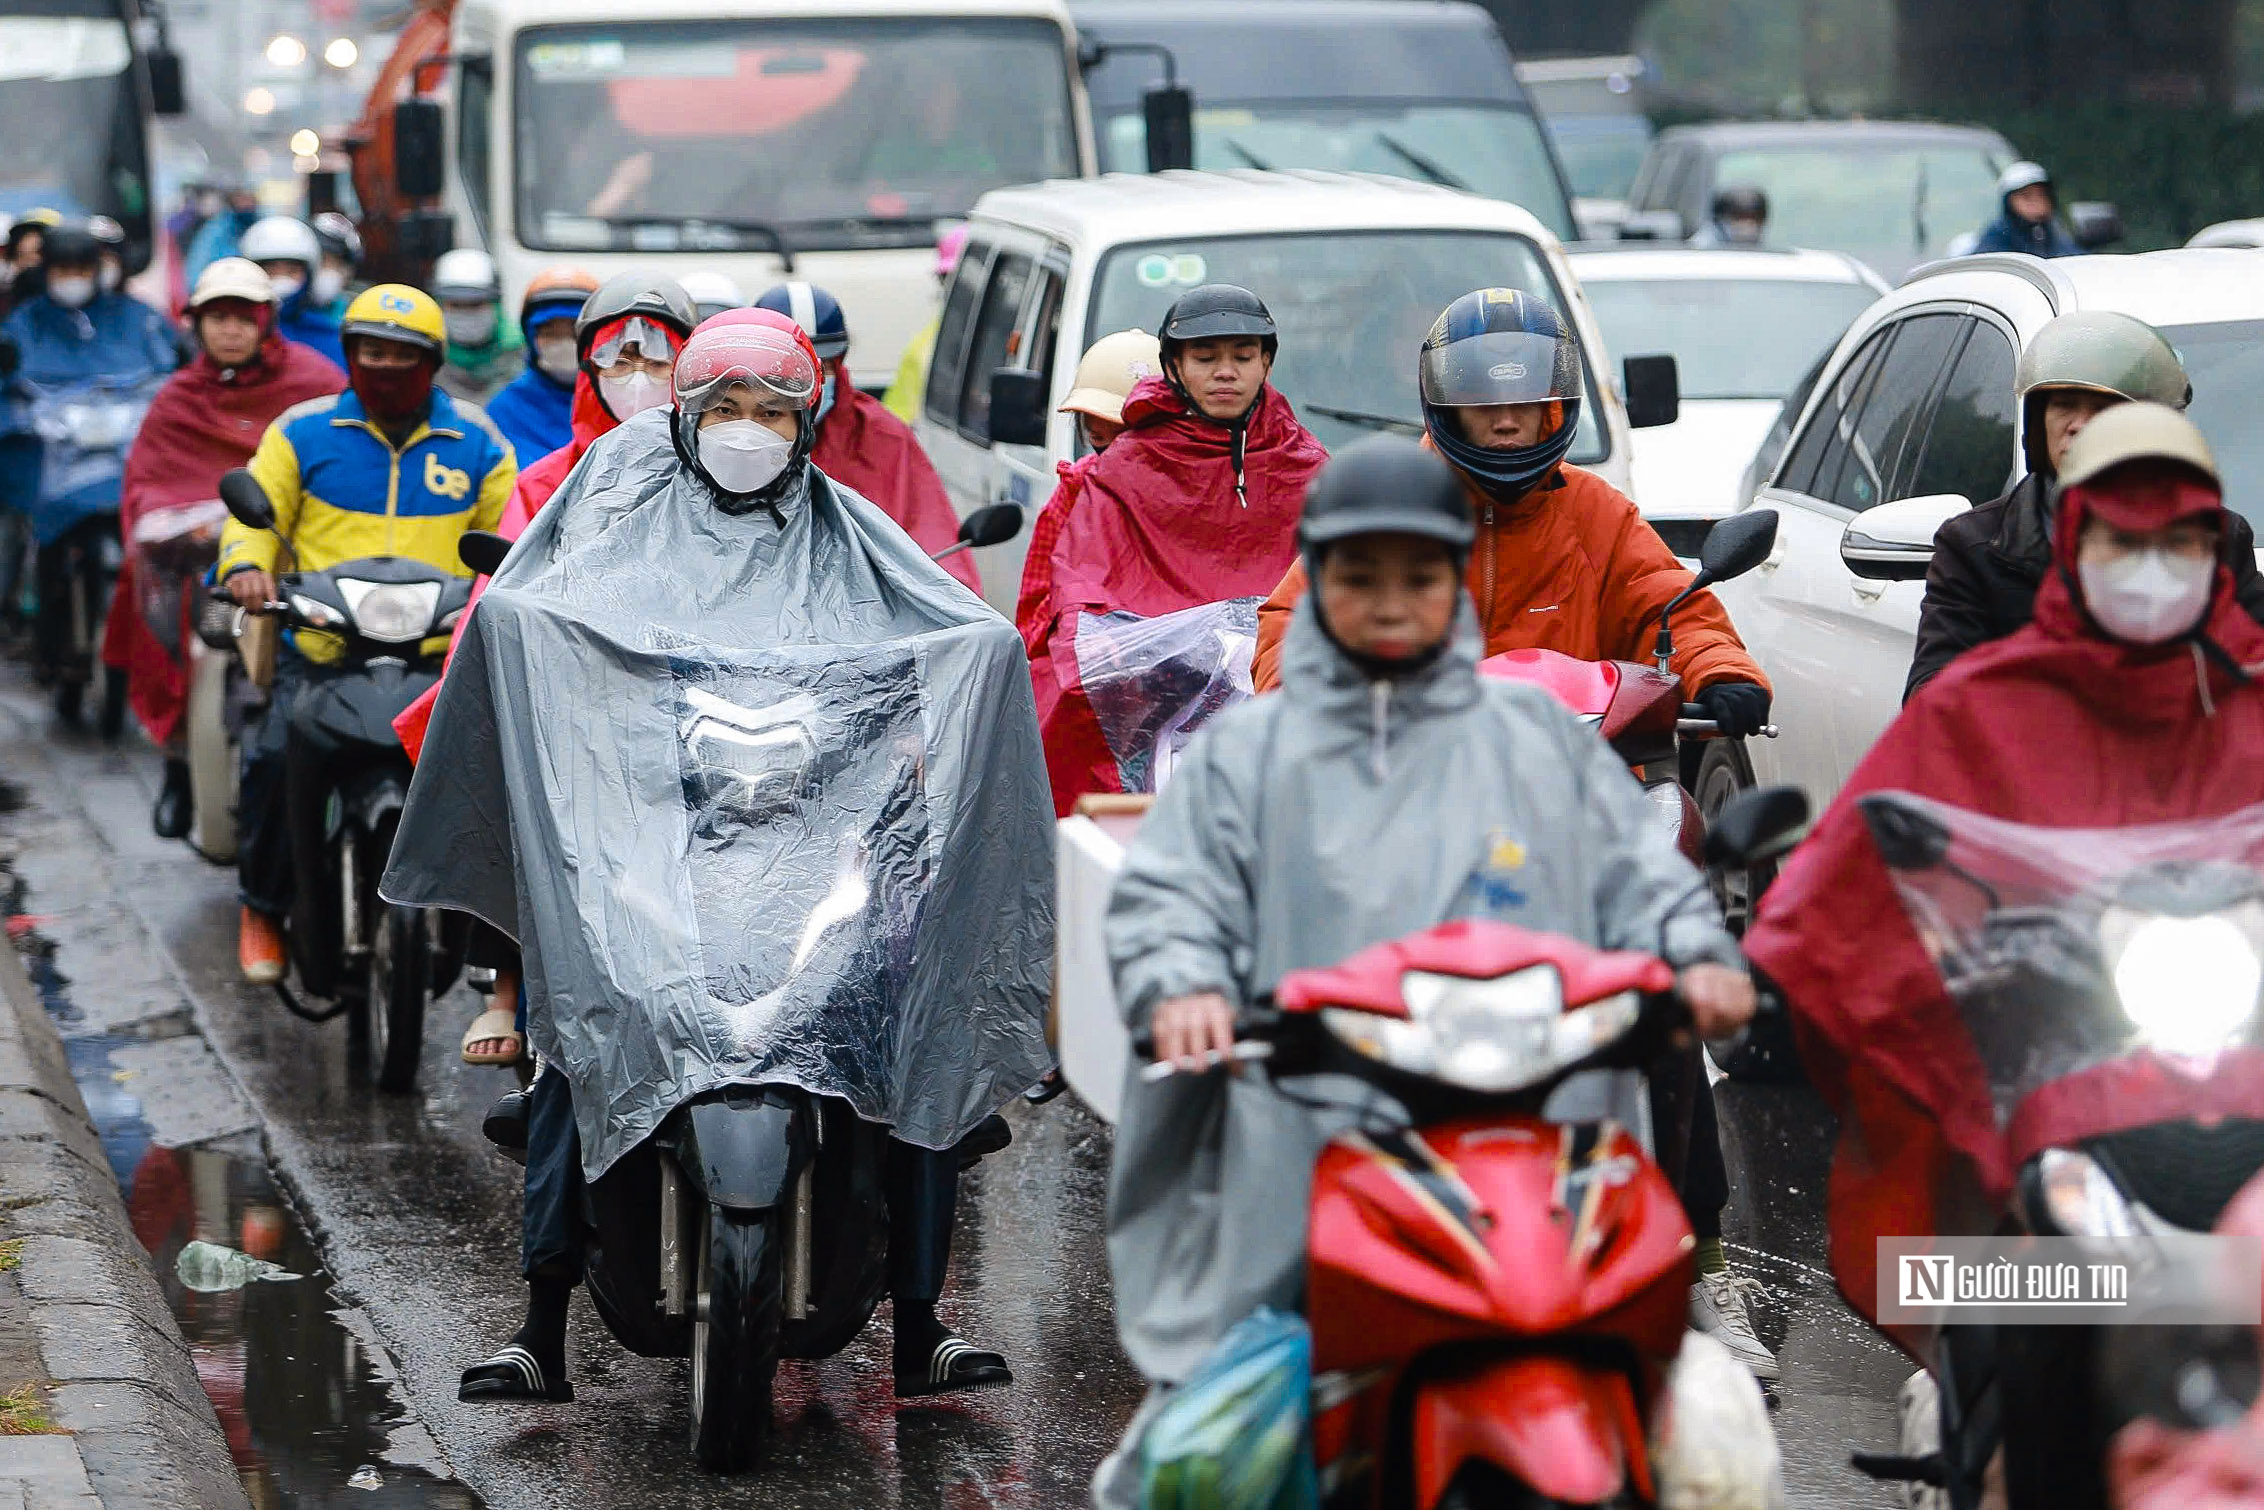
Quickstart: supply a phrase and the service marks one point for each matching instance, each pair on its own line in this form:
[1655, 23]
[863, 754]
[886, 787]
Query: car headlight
[2081, 1199]
[391, 611]
[2189, 985]
[1484, 1035]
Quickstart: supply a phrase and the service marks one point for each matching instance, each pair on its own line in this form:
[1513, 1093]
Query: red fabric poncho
[2054, 726]
[1033, 606]
[204, 421]
[873, 453]
[1157, 528]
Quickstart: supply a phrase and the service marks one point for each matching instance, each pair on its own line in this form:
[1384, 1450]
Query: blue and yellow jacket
[341, 491]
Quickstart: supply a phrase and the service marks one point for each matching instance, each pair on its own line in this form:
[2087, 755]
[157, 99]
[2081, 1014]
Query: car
[1913, 420]
[2243, 233]
[1593, 108]
[1423, 91]
[1743, 327]
[1355, 267]
[1894, 193]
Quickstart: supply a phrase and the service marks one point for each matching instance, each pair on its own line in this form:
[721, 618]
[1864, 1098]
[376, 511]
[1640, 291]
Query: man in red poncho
[207, 418]
[863, 446]
[2130, 699]
[1196, 502]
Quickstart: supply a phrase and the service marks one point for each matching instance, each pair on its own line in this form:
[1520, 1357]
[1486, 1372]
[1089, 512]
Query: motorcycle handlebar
[1696, 723]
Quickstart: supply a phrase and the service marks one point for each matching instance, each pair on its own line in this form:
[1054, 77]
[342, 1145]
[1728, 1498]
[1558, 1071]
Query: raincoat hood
[760, 797]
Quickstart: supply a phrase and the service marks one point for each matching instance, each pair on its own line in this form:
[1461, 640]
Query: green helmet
[2095, 351]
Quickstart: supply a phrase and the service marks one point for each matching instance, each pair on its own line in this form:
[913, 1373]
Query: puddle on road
[303, 1390]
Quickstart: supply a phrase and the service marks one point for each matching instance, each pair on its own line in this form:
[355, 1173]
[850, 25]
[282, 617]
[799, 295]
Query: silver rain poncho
[760, 796]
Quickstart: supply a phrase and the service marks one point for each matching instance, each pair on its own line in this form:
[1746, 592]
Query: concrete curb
[126, 1384]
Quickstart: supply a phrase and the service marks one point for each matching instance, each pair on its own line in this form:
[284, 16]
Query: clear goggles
[1501, 367]
[645, 338]
[769, 361]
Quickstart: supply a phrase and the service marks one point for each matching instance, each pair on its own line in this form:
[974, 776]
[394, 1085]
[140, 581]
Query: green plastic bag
[1237, 1435]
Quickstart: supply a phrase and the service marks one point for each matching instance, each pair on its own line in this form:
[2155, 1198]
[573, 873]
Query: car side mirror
[2094, 223]
[1654, 391]
[168, 81]
[1895, 541]
[482, 551]
[419, 141]
[1735, 546]
[1756, 827]
[994, 525]
[1018, 407]
[1653, 225]
[1170, 113]
[248, 503]
[1908, 837]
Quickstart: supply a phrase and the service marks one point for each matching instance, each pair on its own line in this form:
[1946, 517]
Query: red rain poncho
[204, 421]
[2056, 726]
[873, 453]
[1033, 606]
[1157, 529]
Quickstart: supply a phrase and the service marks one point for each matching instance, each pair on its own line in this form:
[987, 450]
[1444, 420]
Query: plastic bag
[1153, 683]
[1713, 1448]
[1237, 1435]
[211, 1269]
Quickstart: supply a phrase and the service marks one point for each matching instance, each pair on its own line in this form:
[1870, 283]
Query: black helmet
[1386, 485]
[337, 237]
[655, 296]
[70, 244]
[1740, 202]
[1218, 311]
[1500, 346]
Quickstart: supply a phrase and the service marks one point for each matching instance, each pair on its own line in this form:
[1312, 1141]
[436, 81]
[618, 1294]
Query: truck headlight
[1484, 1035]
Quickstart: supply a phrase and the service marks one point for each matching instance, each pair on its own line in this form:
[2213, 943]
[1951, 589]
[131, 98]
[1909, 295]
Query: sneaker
[259, 948]
[1717, 1308]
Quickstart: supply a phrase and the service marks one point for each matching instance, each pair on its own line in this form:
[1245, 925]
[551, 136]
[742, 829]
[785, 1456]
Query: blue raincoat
[312, 326]
[535, 412]
[116, 347]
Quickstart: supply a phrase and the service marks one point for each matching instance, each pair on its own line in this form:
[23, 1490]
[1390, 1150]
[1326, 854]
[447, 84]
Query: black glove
[1740, 708]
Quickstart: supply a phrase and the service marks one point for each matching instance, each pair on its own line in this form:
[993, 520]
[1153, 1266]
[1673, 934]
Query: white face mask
[555, 358]
[2149, 596]
[742, 456]
[286, 288]
[632, 395]
[71, 293]
[470, 327]
[328, 285]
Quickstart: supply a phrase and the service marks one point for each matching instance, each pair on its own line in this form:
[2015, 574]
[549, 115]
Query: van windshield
[831, 133]
[1495, 150]
[1352, 306]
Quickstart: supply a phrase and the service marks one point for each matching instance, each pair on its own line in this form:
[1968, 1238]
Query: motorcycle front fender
[1565, 1429]
[742, 1148]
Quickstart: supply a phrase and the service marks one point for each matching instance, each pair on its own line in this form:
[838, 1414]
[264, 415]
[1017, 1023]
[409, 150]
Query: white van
[829, 136]
[1355, 268]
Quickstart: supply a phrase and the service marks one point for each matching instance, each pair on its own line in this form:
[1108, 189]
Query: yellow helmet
[396, 312]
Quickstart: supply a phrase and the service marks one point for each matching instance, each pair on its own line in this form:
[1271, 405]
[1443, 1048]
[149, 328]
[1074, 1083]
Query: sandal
[512, 1375]
[494, 1025]
[955, 1364]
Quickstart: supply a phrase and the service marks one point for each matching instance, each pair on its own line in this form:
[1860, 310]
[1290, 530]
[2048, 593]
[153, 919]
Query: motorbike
[2108, 984]
[347, 778]
[1496, 1295]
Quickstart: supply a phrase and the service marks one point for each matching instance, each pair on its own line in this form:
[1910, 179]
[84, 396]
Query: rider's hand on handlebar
[251, 588]
[1188, 1029]
[1739, 708]
[1720, 998]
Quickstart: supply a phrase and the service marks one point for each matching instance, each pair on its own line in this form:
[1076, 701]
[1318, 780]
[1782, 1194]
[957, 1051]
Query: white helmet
[712, 291]
[465, 276]
[2022, 175]
[233, 278]
[279, 238]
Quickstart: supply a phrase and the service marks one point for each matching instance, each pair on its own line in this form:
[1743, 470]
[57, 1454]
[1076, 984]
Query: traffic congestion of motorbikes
[1382, 835]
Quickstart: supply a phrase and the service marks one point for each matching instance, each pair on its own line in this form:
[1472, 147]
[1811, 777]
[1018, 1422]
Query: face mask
[394, 395]
[328, 285]
[742, 456]
[632, 395]
[2147, 597]
[555, 358]
[287, 288]
[71, 293]
[111, 275]
[825, 398]
[470, 327]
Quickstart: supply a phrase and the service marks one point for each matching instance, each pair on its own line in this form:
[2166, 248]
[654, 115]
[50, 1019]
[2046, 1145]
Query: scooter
[347, 780]
[1495, 1297]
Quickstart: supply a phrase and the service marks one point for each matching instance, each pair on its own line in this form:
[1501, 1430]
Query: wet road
[416, 1223]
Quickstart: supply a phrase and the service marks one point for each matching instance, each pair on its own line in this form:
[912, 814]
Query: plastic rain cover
[2093, 969]
[1237, 1435]
[1152, 683]
[760, 796]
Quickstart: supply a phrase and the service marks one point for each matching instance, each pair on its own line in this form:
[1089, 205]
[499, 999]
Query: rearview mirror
[168, 83]
[2094, 224]
[248, 503]
[1895, 541]
[482, 551]
[1756, 827]
[1654, 391]
[1018, 407]
[995, 525]
[1170, 113]
[1736, 545]
[1652, 225]
[419, 133]
[1908, 838]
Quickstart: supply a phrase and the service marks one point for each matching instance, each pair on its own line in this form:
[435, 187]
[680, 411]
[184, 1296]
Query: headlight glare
[2189, 985]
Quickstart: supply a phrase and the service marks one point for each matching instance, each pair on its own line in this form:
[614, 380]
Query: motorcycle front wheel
[738, 1303]
[400, 966]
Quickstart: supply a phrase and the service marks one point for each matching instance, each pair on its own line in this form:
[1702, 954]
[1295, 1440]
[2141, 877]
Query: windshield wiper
[1252, 158]
[1381, 422]
[1419, 162]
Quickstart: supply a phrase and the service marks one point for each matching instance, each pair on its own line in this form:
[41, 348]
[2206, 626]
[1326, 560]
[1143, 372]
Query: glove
[1741, 708]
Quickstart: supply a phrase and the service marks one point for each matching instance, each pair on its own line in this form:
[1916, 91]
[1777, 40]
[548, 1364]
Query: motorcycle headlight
[2189, 985]
[1484, 1035]
[394, 612]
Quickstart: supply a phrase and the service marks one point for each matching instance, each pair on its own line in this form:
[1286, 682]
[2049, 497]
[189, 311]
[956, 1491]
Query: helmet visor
[1501, 367]
[769, 361]
[652, 342]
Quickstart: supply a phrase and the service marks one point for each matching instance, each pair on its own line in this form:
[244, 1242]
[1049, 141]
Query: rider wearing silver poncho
[758, 789]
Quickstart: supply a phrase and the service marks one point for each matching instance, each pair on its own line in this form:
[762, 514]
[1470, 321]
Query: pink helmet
[948, 246]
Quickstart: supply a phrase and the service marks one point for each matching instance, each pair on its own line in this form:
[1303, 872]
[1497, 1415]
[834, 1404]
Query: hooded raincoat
[535, 412]
[1299, 830]
[760, 798]
[873, 453]
[205, 420]
[1033, 610]
[2055, 726]
[1571, 567]
[1158, 528]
